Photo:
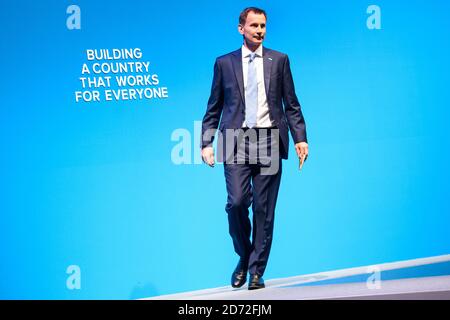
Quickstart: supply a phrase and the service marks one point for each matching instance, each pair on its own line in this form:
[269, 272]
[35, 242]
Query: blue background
[93, 184]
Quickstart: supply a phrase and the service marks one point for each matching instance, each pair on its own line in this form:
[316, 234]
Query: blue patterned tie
[251, 93]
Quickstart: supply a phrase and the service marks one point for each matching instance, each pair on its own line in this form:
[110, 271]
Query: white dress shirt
[262, 115]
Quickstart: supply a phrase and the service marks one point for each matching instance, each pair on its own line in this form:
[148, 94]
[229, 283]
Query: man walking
[250, 87]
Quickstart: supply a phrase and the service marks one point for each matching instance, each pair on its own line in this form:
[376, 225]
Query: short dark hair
[244, 14]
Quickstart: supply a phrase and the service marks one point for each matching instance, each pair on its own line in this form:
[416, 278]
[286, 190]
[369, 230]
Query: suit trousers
[249, 183]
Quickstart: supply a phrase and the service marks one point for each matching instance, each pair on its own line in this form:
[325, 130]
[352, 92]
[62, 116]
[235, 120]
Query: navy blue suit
[227, 97]
[245, 184]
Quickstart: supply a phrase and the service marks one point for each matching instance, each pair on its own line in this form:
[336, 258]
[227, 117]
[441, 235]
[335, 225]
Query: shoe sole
[256, 288]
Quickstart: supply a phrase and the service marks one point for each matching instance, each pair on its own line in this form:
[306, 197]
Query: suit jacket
[226, 102]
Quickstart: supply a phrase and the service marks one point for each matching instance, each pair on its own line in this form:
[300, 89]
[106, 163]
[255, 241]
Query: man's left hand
[302, 152]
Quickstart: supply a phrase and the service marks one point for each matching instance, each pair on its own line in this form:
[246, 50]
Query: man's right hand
[208, 156]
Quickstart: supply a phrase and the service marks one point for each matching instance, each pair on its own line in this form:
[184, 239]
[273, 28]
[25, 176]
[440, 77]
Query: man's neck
[251, 47]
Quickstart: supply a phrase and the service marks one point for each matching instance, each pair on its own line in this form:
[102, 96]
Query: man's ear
[241, 29]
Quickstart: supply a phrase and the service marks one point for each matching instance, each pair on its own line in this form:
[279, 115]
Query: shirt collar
[246, 52]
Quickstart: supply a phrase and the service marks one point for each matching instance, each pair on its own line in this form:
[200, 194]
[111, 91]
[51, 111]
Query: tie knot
[252, 56]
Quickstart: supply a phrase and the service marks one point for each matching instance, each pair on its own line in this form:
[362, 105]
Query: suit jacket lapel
[267, 66]
[237, 67]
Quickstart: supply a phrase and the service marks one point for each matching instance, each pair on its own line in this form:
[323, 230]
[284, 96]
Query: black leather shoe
[256, 282]
[239, 276]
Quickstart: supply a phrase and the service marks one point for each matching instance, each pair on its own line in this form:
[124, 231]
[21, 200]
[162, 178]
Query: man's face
[254, 29]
